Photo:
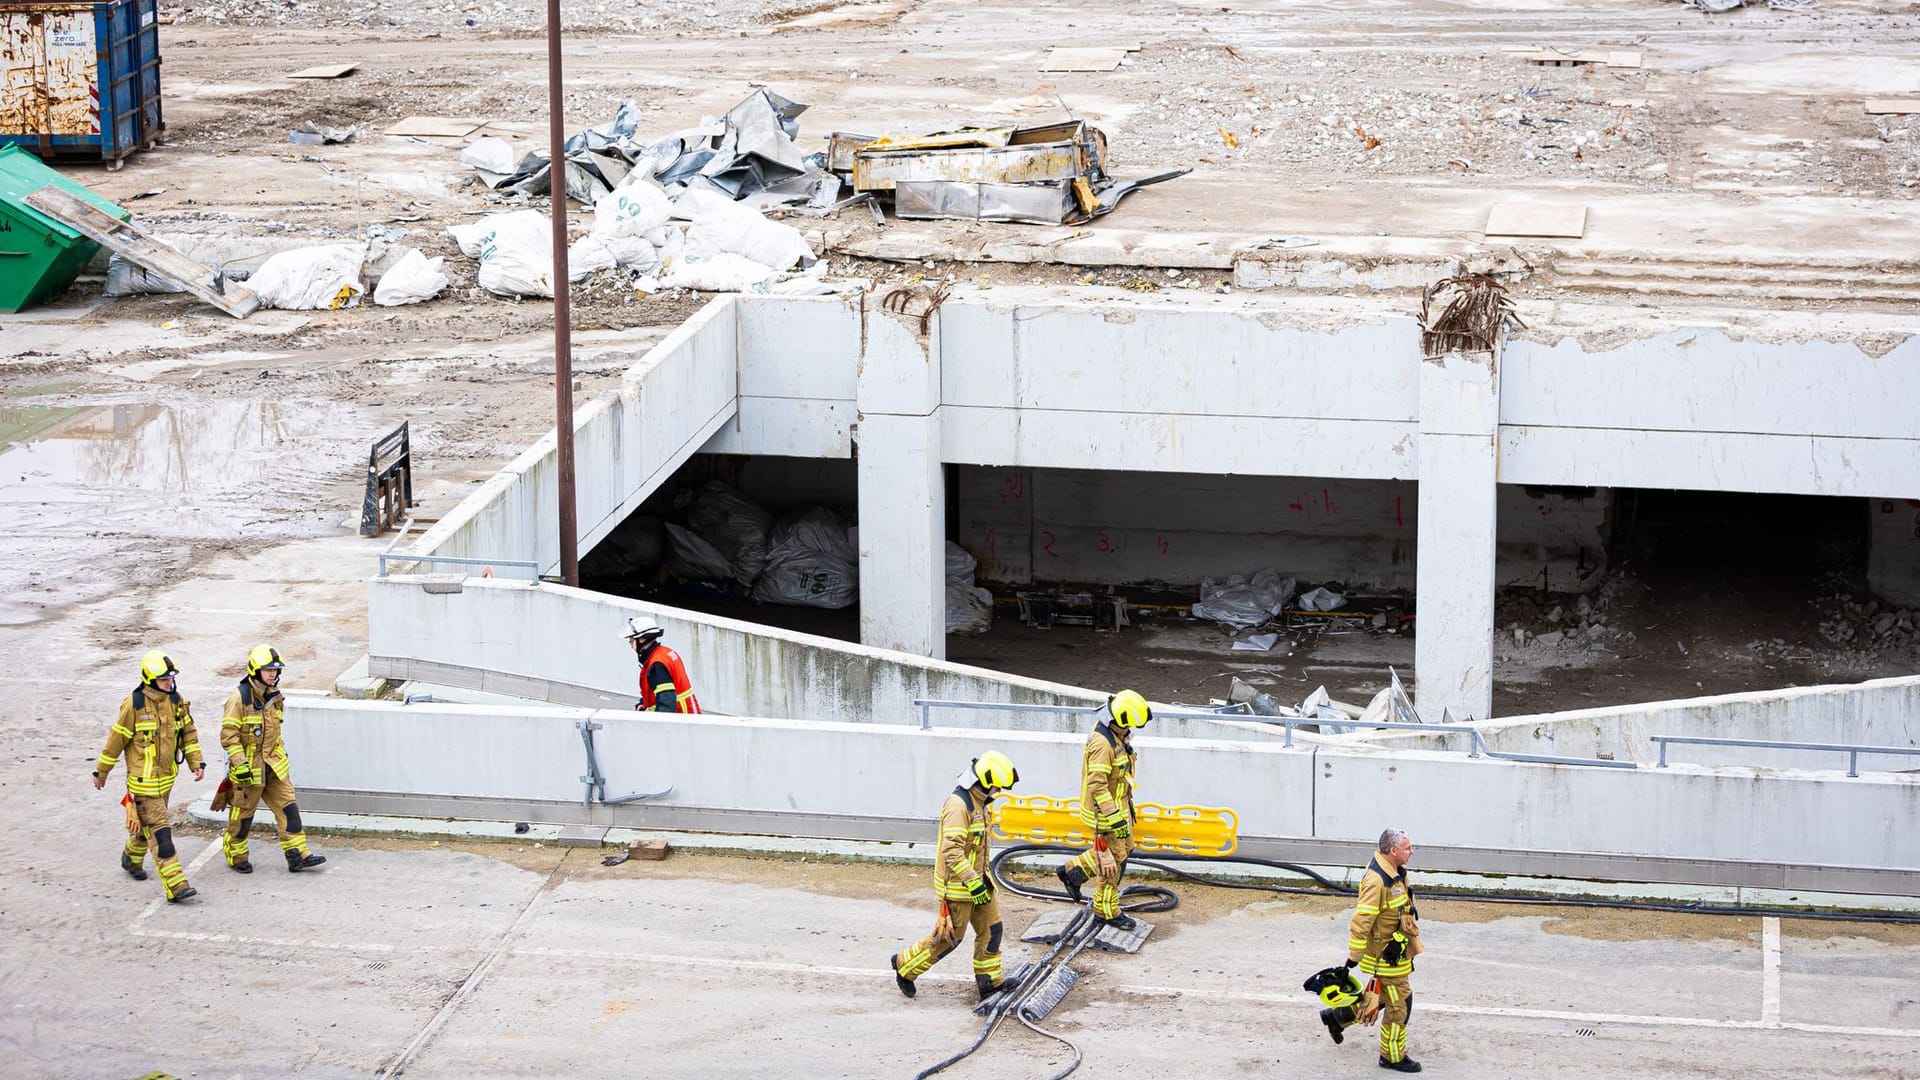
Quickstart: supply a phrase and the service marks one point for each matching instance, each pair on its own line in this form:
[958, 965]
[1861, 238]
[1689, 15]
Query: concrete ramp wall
[552, 643]
[1715, 826]
[625, 445]
[1880, 712]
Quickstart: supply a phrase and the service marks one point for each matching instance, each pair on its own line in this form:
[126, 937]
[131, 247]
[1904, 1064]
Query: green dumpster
[39, 257]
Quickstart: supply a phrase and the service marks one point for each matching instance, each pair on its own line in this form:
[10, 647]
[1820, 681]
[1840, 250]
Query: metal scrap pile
[748, 151]
[1050, 175]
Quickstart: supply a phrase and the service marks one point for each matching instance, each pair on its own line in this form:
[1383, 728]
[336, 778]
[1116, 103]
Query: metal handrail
[1477, 744]
[1852, 750]
[532, 568]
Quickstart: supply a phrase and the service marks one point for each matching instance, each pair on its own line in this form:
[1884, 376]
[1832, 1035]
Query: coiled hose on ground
[1160, 898]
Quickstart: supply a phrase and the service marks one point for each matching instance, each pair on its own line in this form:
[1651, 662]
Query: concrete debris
[1717, 7]
[1869, 626]
[312, 134]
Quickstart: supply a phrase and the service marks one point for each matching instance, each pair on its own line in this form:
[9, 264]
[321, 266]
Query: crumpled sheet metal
[1058, 202]
[986, 156]
[748, 151]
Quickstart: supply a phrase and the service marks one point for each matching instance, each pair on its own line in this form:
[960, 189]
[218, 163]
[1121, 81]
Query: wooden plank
[142, 249]
[1893, 106]
[326, 71]
[443, 127]
[1093, 59]
[1538, 219]
[1620, 58]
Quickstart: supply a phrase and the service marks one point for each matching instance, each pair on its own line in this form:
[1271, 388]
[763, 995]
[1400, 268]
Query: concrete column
[903, 498]
[1453, 647]
[1893, 553]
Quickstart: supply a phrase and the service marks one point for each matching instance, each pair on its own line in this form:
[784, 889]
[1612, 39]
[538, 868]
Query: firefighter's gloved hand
[979, 891]
[1351, 964]
[243, 774]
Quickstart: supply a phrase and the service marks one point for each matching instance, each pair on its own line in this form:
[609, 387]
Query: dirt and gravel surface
[170, 476]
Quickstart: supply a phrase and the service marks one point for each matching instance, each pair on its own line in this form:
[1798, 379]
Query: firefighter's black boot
[905, 984]
[137, 873]
[984, 984]
[183, 894]
[241, 867]
[1120, 921]
[1405, 1064]
[1336, 1024]
[298, 860]
[1072, 877]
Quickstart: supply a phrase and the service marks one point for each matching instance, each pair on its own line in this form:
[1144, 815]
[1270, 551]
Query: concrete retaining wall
[865, 781]
[1881, 712]
[668, 406]
[550, 643]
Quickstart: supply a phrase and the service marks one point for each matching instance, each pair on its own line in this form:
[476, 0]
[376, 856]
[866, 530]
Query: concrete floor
[504, 960]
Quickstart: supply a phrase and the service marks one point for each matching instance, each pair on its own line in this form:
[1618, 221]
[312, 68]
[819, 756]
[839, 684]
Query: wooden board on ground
[1620, 58]
[1077, 59]
[326, 71]
[139, 247]
[436, 127]
[502, 129]
[1538, 219]
[1892, 106]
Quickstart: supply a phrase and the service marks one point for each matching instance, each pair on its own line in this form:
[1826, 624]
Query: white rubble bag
[126, 278]
[411, 280]
[969, 607]
[635, 208]
[690, 556]
[734, 525]
[721, 225]
[516, 256]
[812, 562]
[311, 279]
[1242, 604]
[490, 154]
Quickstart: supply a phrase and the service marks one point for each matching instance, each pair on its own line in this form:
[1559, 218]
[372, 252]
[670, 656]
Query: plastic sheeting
[734, 525]
[969, 607]
[1240, 603]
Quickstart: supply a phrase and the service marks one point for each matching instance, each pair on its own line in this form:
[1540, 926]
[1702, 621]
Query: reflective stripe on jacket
[663, 659]
[961, 857]
[250, 730]
[153, 731]
[1106, 780]
[1375, 929]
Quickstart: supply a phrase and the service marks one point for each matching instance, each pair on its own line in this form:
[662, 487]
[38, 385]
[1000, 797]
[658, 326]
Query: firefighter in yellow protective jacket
[963, 883]
[155, 732]
[257, 765]
[1108, 767]
[1382, 941]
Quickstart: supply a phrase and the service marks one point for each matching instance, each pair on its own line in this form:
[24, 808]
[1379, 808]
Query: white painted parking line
[274, 943]
[1770, 970]
[786, 968]
[200, 860]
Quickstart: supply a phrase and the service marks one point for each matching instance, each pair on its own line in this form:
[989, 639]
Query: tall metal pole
[562, 312]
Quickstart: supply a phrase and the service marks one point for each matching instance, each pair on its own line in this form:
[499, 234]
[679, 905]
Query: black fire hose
[1164, 899]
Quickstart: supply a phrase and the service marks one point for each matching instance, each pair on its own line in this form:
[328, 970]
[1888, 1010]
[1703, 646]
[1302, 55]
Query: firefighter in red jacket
[664, 686]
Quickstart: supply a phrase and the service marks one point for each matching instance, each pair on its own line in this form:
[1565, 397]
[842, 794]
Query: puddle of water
[99, 497]
[210, 446]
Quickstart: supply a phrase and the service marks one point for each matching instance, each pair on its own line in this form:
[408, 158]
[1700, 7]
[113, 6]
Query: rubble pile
[1867, 625]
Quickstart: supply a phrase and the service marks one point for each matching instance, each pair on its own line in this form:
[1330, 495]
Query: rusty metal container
[80, 81]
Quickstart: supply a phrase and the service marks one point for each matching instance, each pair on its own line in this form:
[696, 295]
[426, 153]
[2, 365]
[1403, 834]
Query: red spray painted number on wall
[1048, 546]
[1014, 488]
[991, 553]
[1161, 543]
[1104, 545]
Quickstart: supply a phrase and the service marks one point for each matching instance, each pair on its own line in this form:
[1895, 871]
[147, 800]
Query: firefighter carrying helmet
[263, 657]
[1129, 709]
[155, 666]
[641, 628]
[994, 771]
[1335, 986]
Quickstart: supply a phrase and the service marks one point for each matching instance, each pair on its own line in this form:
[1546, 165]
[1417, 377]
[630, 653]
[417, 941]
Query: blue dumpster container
[80, 80]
